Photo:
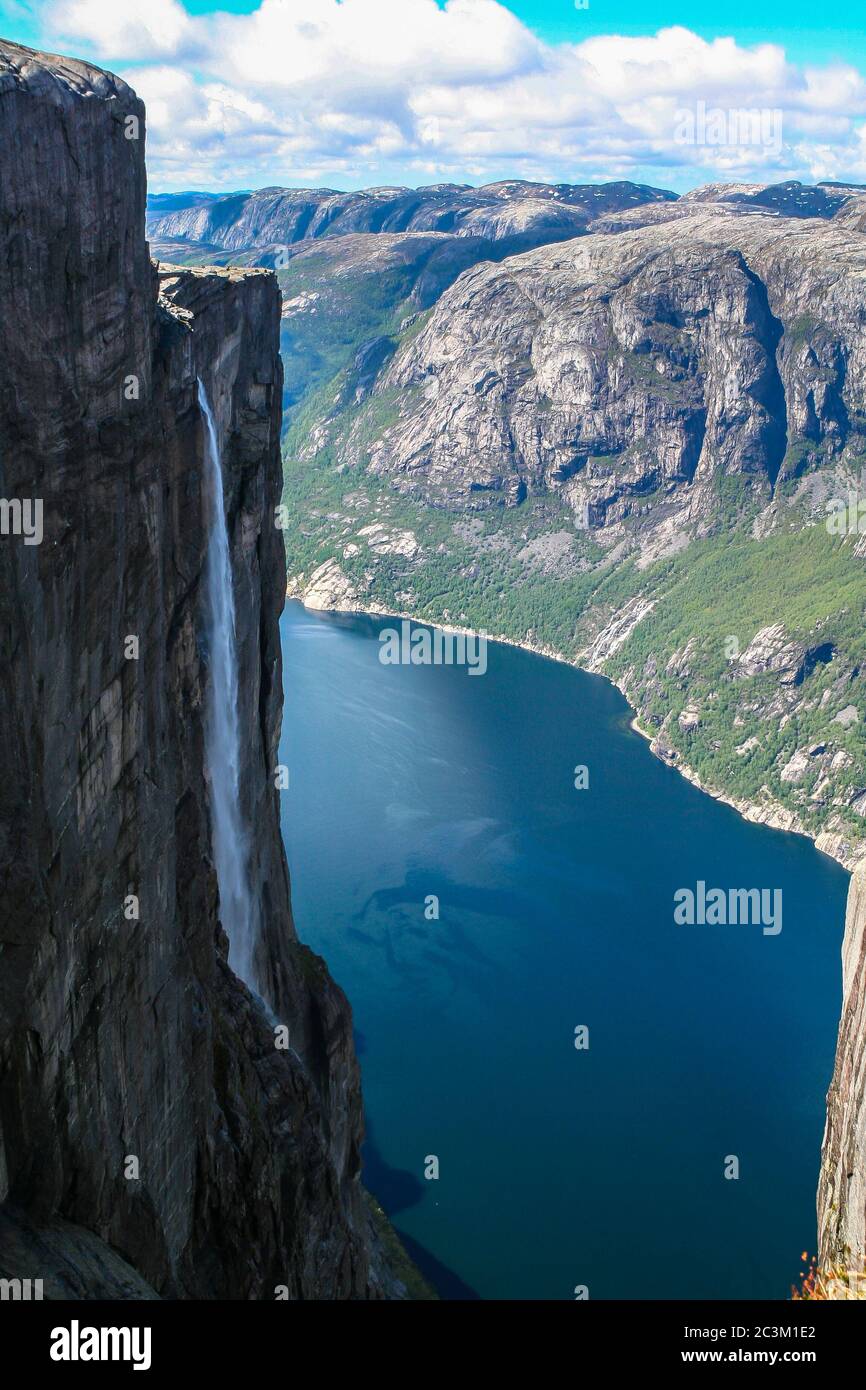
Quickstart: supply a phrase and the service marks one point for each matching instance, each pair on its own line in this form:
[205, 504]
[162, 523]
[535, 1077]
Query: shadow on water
[396, 1190]
[486, 901]
[446, 1283]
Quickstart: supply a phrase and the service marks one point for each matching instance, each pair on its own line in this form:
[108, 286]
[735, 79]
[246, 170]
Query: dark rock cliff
[127, 1038]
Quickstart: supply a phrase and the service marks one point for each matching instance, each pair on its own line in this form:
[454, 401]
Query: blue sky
[350, 93]
[793, 24]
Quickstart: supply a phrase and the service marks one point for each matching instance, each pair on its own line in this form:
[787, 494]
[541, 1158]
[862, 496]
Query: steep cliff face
[126, 1037]
[637, 367]
[842, 1188]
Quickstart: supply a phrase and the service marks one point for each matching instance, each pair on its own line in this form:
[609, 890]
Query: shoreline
[773, 814]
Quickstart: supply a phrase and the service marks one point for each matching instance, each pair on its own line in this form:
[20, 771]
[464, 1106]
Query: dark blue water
[557, 1167]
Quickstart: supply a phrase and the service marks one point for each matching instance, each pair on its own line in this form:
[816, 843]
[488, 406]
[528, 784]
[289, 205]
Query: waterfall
[222, 725]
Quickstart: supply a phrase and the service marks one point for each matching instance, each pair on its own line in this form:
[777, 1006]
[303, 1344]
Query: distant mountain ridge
[269, 216]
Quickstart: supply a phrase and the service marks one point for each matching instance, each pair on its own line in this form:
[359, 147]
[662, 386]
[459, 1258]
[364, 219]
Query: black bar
[273, 1341]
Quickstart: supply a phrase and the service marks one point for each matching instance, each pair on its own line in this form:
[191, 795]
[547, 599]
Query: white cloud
[344, 88]
[124, 29]
[290, 43]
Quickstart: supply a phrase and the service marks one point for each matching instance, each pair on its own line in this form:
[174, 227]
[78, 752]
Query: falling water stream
[222, 727]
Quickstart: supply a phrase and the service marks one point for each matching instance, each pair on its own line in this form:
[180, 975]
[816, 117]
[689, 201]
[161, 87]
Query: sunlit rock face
[842, 1189]
[630, 372]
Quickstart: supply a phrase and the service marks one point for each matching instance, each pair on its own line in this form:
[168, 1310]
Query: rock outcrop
[144, 1108]
[616, 370]
[842, 1189]
[328, 589]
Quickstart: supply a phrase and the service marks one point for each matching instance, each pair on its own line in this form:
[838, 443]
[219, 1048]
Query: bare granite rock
[330, 588]
[645, 365]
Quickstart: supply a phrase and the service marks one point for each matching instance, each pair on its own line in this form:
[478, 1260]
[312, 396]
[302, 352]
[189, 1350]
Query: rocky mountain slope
[619, 366]
[789, 199]
[152, 1136]
[515, 209]
[355, 268]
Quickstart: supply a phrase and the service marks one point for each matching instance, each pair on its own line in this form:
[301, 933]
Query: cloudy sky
[349, 93]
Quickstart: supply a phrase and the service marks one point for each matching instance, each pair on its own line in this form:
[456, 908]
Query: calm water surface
[558, 1167]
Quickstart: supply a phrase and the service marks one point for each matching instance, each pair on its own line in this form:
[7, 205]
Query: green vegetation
[477, 569]
[725, 590]
[351, 309]
[398, 1262]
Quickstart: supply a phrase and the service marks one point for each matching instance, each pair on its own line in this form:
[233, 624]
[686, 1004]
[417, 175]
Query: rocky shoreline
[330, 596]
